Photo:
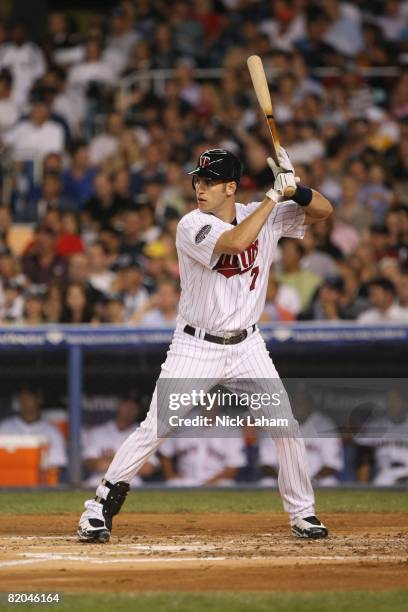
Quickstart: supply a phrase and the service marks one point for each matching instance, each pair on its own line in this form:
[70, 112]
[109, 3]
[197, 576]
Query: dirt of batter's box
[203, 552]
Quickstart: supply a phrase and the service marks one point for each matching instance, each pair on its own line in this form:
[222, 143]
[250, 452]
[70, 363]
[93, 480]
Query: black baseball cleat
[92, 526]
[309, 527]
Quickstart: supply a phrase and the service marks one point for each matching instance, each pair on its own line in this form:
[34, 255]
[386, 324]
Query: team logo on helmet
[204, 161]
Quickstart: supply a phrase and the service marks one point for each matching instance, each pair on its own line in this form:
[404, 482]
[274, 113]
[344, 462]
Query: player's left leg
[253, 362]
[189, 361]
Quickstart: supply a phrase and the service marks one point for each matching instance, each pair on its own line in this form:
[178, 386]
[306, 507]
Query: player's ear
[231, 188]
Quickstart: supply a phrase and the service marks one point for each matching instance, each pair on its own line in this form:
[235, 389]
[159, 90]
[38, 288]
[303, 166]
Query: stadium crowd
[94, 158]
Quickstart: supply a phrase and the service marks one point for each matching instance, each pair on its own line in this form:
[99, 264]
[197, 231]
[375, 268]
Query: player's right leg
[188, 359]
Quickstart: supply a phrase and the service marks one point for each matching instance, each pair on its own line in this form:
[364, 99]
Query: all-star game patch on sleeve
[197, 235]
[291, 219]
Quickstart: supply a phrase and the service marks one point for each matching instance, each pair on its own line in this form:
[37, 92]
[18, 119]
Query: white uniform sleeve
[267, 452]
[197, 235]
[289, 219]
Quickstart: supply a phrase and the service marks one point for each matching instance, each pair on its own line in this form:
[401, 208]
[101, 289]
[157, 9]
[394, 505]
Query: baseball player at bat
[225, 251]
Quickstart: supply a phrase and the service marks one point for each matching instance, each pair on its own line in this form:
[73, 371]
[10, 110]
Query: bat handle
[289, 191]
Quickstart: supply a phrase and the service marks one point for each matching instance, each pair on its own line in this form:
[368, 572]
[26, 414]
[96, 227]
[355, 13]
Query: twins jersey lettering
[227, 293]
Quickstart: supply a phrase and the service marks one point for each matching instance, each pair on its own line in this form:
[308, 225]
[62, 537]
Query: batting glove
[284, 173]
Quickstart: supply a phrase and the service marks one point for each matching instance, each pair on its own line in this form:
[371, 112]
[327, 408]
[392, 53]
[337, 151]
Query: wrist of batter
[302, 196]
[273, 195]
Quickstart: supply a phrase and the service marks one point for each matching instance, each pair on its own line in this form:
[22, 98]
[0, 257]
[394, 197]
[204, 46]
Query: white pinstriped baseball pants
[190, 358]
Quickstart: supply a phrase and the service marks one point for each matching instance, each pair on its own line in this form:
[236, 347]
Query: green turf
[249, 501]
[351, 601]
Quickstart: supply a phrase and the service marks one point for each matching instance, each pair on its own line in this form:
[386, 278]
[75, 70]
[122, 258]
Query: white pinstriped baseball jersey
[227, 293]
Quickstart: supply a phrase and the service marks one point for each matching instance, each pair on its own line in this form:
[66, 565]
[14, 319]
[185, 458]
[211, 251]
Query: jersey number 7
[254, 274]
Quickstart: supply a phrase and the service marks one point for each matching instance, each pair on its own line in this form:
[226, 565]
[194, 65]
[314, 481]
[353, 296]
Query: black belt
[219, 339]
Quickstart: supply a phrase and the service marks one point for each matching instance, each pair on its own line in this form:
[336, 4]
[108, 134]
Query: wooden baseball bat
[257, 72]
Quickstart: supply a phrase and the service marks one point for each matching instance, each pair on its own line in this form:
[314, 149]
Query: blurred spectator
[130, 281]
[93, 69]
[161, 309]
[382, 456]
[78, 180]
[36, 136]
[101, 442]
[69, 240]
[375, 194]
[122, 38]
[29, 421]
[113, 311]
[354, 210]
[327, 303]
[150, 232]
[282, 302]
[106, 144]
[34, 302]
[344, 33]
[41, 264]
[315, 260]
[188, 32]
[323, 446]
[131, 242]
[67, 102]
[382, 294]
[202, 460]
[62, 41]
[100, 277]
[78, 273]
[76, 308]
[122, 184]
[304, 281]
[111, 239]
[51, 198]
[10, 267]
[12, 306]
[53, 304]
[352, 303]
[9, 110]
[24, 59]
[101, 208]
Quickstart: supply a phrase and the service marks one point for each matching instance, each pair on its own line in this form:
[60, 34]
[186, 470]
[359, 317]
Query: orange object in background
[23, 462]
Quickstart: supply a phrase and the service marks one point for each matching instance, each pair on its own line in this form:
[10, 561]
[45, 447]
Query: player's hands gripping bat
[284, 173]
[287, 184]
